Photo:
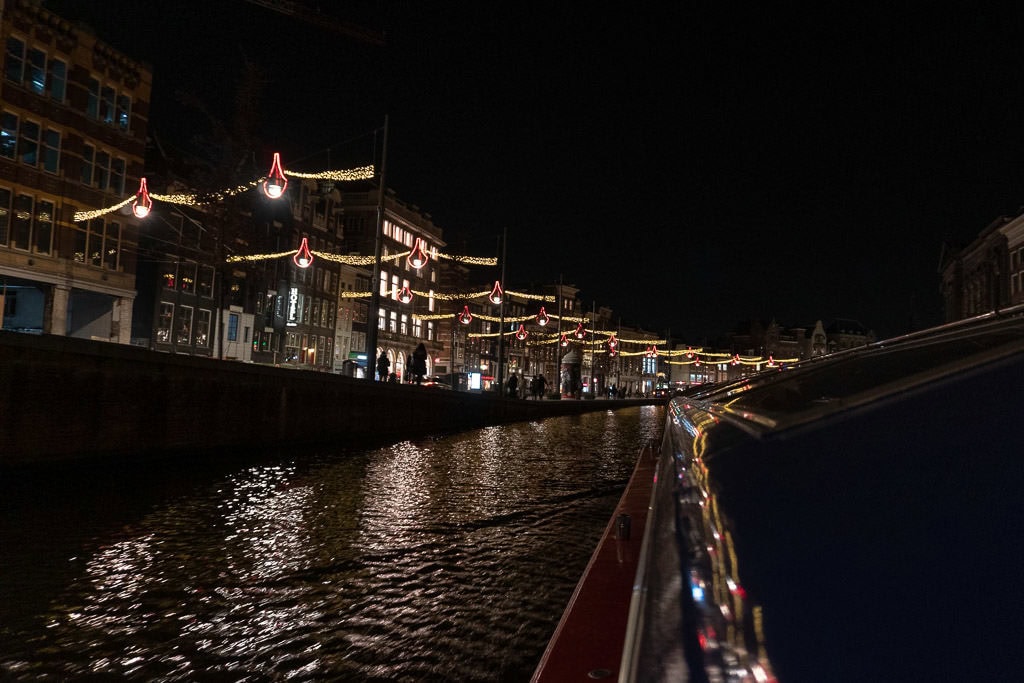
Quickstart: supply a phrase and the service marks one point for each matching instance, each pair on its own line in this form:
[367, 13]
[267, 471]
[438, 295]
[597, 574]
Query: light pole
[501, 318]
[372, 320]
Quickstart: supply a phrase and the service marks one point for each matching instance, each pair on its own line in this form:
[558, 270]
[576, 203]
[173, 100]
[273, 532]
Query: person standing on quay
[383, 366]
[419, 363]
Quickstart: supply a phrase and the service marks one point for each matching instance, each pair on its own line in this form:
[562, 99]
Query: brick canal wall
[63, 398]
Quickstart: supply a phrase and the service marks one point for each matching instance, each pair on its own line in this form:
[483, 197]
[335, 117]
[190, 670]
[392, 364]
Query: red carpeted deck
[587, 644]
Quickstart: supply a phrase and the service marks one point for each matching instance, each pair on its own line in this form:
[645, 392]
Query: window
[203, 328]
[21, 226]
[36, 73]
[232, 327]
[88, 156]
[383, 283]
[44, 227]
[107, 104]
[430, 331]
[381, 319]
[28, 148]
[170, 275]
[92, 104]
[417, 327]
[102, 170]
[5, 215]
[112, 246]
[206, 281]
[404, 324]
[51, 151]
[117, 175]
[57, 80]
[124, 110]
[80, 236]
[393, 322]
[15, 68]
[8, 135]
[183, 326]
[187, 277]
[94, 246]
[163, 322]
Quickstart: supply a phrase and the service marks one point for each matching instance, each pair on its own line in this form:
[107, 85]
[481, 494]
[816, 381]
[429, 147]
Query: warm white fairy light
[361, 173]
[195, 199]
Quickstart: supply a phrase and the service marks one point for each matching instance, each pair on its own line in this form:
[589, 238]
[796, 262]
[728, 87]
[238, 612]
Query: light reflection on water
[447, 559]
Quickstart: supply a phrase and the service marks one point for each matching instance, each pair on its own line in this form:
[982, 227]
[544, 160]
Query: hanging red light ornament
[465, 317]
[275, 183]
[496, 294]
[563, 341]
[405, 295]
[142, 204]
[689, 352]
[696, 361]
[543, 318]
[580, 332]
[417, 257]
[303, 258]
[613, 342]
[521, 332]
[771, 361]
[736, 359]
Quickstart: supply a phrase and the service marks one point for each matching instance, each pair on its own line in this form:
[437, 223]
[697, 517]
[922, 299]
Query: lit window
[44, 227]
[8, 135]
[36, 74]
[124, 110]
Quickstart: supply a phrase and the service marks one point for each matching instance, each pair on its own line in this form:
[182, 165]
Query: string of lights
[196, 199]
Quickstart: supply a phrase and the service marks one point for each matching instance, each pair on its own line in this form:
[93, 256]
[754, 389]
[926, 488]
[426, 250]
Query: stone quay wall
[63, 398]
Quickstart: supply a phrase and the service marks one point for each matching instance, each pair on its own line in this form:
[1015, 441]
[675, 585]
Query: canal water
[447, 559]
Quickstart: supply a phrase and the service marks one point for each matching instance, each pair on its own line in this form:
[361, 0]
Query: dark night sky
[690, 165]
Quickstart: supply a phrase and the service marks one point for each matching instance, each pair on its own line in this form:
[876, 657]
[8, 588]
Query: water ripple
[443, 560]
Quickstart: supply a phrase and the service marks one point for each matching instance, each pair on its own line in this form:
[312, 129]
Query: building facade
[72, 140]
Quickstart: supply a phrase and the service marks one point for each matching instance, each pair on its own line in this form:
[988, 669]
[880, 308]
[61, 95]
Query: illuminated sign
[293, 306]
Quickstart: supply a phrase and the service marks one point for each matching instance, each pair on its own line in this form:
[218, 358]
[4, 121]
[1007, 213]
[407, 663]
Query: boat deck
[587, 644]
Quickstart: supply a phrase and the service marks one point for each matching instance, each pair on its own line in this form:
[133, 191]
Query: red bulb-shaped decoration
[736, 359]
[521, 332]
[564, 341]
[465, 317]
[613, 343]
[580, 332]
[142, 204]
[405, 295]
[542, 317]
[303, 258]
[275, 183]
[496, 294]
[417, 257]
